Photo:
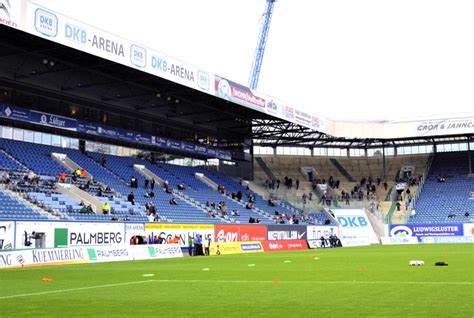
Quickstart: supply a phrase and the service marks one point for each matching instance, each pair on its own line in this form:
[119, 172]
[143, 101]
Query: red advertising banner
[288, 245]
[240, 233]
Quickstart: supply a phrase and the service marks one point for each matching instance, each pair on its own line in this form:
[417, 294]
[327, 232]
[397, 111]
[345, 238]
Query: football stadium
[135, 184]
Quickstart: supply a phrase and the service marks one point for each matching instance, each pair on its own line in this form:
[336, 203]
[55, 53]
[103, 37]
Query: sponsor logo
[288, 112]
[275, 246]
[8, 111]
[138, 55]
[75, 34]
[46, 23]
[95, 238]
[107, 45]
[5, 259]
[272, 108]
[224, 90]
[163, 66]
[5, 7]
[352, 221]
[159, 64]
[401, 231]
[80, 35]
[203, 80]
[315, 122]
[251, 247]
[5, 13]
[57, 255]
[439, 126]
[428, 240]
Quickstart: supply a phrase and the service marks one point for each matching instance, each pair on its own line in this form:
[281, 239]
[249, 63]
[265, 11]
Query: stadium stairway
[342, 170]
[265, 168]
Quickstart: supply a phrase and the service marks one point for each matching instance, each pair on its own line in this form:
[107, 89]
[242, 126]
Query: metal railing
[414, 200]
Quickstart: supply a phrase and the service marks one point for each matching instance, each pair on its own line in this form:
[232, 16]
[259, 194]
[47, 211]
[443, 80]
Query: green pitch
[347, 282]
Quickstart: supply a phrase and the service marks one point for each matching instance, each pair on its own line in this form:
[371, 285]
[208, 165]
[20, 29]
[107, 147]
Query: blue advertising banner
[425, 230]
[46, 119]
[16, 113]
[50, 120]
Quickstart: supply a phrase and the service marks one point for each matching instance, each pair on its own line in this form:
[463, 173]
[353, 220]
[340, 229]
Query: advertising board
[7, 235]
[285, 245]
[399, 240]
[165, 233]
[425, 230]
[46, 234]
[468, 229]
[356, 228]
[236, 233]
[42, 257]
[81, 255]
[286, 232]
[225, 248]
[316, 231]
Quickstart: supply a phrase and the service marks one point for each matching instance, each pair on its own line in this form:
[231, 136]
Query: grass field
[347, 282]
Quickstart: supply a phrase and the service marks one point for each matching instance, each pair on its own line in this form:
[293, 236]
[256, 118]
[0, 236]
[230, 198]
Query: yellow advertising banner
[226, 248]
[171, 226]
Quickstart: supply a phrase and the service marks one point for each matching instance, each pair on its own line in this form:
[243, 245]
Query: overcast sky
[344, 59]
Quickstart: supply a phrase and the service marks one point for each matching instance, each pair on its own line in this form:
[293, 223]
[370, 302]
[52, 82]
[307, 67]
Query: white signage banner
[316, 231]
[7, 235]
[81, 255]
[41, 257]
[468, 229]
[42, 234]
[356, 228]
[399, 240]
[73, 33]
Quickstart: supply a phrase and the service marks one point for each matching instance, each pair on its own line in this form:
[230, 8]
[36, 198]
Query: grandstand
[66, 106]
[118, 123]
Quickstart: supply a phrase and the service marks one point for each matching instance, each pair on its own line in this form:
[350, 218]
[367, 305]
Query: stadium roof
[47, 76]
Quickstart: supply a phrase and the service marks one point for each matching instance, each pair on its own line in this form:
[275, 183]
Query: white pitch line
[305, 282]
[76, 289]
[232, 282]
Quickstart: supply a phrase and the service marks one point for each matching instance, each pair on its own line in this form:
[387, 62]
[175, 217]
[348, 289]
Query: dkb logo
[352, 221]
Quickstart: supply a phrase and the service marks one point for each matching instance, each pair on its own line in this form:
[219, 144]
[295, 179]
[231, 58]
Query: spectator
[152, 185]
[173, 201]
[181, 186]
[451, 215]
[150, 194]
[106, 208]
[151, 217]
[114, 217]
[62, 177]
[398, 206]
[126, 218]
[84, 209]
[83, 173]
[146, 183]
[297, 184]
[207, 244]
[190, 244]
[131, 198]
[235, 213]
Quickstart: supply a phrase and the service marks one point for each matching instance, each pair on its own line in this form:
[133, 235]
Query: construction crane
[261, 43]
